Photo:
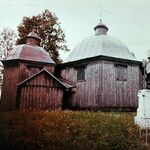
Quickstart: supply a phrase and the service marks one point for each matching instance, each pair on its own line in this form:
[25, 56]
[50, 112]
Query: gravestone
[142, 118]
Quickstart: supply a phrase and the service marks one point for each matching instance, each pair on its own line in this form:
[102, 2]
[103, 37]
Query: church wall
[28, 69]
[69, 75]
[101, 89]
[14, 73]
[9, 89]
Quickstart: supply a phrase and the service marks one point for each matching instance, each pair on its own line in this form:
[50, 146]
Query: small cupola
[33, 39]
[101, 29]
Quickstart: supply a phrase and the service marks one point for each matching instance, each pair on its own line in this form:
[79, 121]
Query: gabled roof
[67, 86]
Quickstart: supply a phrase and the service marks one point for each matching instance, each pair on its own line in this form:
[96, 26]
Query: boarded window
[80, 73]
[121, 72]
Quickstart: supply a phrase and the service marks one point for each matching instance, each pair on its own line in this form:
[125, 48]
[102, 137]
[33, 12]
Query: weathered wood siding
[14, 73]
[41, 92]
[101, 89]
[9, 89]
[25, 69]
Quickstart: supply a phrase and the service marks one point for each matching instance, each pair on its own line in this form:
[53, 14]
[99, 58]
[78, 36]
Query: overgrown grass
[67, 130]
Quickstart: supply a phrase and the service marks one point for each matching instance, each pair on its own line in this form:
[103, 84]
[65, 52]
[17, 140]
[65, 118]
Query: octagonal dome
[100, 44]
[30, 53]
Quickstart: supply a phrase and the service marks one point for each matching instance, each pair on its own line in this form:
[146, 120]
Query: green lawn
[68, 130]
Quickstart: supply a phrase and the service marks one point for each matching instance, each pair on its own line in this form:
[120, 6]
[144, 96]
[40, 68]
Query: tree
[48, 28]
[7, 42]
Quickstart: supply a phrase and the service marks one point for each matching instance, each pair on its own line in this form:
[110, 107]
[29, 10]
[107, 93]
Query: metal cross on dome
[102, 10]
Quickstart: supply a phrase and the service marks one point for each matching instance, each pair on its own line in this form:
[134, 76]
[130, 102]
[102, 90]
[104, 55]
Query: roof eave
[102, 57]
[22, 60]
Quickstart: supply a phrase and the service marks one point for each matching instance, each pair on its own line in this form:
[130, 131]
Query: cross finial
[102, 10]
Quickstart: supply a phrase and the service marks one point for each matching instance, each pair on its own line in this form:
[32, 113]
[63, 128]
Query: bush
[64, 130]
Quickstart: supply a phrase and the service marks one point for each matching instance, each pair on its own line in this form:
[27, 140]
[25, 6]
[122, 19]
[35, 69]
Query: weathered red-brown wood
[16, 71]
[8, 99]
[45, 93]
[28, 69]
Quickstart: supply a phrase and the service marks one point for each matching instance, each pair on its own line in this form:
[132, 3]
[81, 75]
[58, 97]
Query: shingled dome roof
[30, 53]
[100, 44]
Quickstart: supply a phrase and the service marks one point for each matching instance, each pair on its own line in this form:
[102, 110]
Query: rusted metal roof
[29, 52]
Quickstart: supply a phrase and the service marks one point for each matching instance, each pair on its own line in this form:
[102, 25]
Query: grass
[68, 130]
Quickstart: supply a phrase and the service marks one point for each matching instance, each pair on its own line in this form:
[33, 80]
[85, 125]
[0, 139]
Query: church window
[80, 73]
[121, 72]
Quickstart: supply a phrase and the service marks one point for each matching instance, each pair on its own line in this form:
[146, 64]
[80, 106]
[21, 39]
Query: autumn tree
[48, 28]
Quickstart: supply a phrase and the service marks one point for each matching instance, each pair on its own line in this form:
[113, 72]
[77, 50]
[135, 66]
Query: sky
[127, 20]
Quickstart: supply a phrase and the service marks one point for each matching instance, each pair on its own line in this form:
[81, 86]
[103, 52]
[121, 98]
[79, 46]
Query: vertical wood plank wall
[9, 89]
[15, 73]
[101, 89]
[40, 92]
[24, 72]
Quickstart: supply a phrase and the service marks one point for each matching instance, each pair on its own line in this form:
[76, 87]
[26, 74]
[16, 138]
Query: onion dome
[100, 44]
[101, 29]
[30, 51]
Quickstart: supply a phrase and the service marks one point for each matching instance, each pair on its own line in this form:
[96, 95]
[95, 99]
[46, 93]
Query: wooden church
[29, 81]
[105, 73]
[99, 74]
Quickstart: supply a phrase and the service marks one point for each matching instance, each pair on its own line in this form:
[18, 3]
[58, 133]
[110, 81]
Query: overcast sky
[127, 20]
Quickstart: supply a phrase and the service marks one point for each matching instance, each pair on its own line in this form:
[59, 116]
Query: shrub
[64, 130]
